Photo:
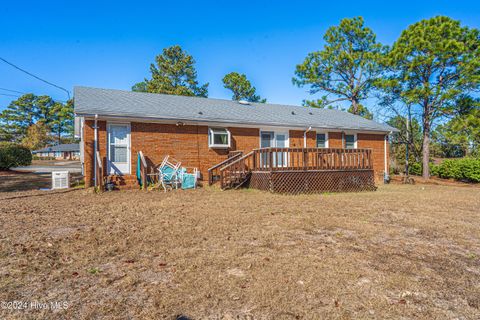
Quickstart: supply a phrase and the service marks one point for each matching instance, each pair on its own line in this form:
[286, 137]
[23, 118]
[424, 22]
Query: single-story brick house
[66, 151]
[201, 132]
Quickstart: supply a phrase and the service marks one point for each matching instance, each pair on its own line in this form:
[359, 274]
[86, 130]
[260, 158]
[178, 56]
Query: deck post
[270, 159]
[305, 155]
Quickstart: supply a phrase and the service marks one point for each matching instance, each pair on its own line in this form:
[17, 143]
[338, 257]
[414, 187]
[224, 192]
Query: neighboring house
[69, 151]
[201, 132]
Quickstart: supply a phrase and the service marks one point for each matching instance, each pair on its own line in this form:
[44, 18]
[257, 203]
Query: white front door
[118, 158]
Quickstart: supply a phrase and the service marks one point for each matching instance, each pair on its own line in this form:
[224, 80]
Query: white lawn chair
[169, 174]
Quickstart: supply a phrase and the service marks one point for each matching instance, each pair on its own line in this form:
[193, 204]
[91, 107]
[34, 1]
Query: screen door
[118, 149]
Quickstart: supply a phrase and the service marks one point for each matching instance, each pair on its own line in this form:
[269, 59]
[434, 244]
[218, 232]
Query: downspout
[95, 147]
[386, 175]
[305, 136]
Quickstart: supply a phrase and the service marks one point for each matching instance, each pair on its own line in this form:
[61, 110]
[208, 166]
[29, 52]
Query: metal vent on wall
[60, 180]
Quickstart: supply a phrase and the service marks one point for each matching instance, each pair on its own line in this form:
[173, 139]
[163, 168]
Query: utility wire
[20, 92]
[10, 90]
[36, 77]
[9, 95]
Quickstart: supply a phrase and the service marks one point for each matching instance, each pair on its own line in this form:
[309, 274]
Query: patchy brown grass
[12, 181]
[23, 181]
[398, 179]
[403, 251]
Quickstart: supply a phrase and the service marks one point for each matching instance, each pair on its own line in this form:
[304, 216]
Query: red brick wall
[88, 138]
[377, 143]
[296, 139]
[189, 144]
[335, 140]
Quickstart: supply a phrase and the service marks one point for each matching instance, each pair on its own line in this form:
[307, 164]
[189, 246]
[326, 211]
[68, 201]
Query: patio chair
[169, 174]
[189, 179]
[170, 162]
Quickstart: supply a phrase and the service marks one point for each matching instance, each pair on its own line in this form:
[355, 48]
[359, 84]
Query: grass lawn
[402, 251]
[27, 181]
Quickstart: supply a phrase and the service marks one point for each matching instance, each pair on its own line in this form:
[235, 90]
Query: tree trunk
[355, 106]
[426, 150]
[59, 132]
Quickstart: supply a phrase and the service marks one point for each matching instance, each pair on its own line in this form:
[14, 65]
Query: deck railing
[214, 172]
[233, 173]
[294, 159]
[283, 159]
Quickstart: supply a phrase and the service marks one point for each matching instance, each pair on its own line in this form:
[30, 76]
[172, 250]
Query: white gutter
[95, 147]
[305, 136]
[385, 167]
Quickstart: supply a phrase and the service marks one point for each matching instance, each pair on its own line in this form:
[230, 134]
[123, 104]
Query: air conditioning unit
[60, 180]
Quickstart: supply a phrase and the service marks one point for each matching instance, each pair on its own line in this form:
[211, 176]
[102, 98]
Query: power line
[17, 96]
[10, 90]
[9, 95]
[36, 77]
[21, 92]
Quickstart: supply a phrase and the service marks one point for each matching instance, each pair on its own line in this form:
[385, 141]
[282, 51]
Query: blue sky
[111, 44]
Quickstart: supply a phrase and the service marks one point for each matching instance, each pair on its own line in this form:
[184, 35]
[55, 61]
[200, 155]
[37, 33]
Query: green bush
[13, 155]
[465, 169]
[434, 169]
[416, 169]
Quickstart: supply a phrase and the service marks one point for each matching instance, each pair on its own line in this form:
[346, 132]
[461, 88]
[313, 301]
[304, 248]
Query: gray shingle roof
[61, 148]
[107, 102]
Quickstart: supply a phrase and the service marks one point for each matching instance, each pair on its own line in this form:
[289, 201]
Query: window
[350, 141]
[118, 153]
[322, 140]
[218, 138]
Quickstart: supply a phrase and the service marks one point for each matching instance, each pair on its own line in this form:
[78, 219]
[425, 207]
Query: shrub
[13, 155]
[416, 169]
[465, 169]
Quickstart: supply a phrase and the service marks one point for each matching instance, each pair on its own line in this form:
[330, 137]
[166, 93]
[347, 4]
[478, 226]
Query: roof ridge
[191, 97]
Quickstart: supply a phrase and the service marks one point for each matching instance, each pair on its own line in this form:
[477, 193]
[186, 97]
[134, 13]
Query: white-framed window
[322, 140]
[219, 138]
[350, 141]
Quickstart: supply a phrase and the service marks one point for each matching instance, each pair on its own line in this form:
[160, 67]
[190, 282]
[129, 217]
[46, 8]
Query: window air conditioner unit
[60, 180]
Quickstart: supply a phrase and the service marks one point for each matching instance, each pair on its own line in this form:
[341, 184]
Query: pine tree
[241, 88]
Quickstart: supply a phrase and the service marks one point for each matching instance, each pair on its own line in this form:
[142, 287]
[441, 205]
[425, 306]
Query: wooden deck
[301, 170]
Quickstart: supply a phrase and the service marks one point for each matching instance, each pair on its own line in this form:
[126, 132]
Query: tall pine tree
[431, 65]
[173, 73]
[346, 68]
[241, 87]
